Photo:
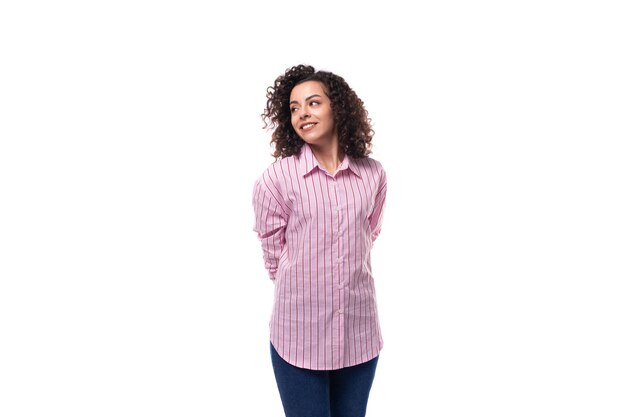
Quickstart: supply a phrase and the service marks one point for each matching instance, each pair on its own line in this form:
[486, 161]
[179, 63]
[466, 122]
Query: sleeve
[376, 217]
[270, 222]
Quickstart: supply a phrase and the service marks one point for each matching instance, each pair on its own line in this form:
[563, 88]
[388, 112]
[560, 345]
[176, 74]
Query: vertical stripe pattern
[316, 231]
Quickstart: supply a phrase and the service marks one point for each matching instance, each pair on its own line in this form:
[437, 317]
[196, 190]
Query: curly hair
[354, 128]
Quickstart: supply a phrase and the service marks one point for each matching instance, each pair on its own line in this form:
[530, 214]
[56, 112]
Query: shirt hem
[367, 358]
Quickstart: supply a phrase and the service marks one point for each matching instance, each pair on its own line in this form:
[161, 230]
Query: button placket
[339, 260]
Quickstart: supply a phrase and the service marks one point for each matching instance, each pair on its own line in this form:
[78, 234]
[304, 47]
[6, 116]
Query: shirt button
[339, 311]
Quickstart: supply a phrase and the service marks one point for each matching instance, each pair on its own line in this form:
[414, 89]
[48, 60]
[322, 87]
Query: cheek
[294, 125]
[328, 117]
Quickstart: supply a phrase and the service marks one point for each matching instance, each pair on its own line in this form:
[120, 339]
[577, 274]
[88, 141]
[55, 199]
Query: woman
[318, 210]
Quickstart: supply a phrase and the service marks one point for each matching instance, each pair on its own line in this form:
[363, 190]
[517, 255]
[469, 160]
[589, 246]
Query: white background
[132, 284]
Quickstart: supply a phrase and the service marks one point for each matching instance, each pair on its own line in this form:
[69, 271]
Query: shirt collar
[308, 162]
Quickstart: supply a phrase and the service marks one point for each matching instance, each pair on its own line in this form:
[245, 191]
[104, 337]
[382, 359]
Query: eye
[294, 109]
[315, 102]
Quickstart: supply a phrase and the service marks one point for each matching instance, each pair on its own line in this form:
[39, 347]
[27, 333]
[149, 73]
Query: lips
[307, 126]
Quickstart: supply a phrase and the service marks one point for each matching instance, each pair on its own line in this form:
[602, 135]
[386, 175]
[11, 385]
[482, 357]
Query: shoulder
[376, 164]
[275, 172]
[274, 177]
[371, 167]
[369, 162]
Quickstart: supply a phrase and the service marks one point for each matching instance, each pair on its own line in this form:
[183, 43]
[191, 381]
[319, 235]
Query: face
[311, 115]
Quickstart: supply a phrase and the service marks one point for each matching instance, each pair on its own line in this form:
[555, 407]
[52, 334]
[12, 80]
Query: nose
[304, 113]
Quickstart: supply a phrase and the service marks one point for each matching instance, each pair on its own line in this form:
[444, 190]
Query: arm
[270, 222]
[376, 217]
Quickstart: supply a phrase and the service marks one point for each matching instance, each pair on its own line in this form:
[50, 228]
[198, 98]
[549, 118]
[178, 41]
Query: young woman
[318, 209]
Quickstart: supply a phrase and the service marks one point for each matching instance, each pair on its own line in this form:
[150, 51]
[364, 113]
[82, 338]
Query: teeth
[307, 125]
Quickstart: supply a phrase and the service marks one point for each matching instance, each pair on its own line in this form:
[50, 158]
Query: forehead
[306, 89]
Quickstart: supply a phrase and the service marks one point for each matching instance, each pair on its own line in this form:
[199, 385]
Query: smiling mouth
[308, 126]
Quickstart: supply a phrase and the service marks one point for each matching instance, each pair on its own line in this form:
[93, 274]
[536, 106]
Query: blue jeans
[336, 393]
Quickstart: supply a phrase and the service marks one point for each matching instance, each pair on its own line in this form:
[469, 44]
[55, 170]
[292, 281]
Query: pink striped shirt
[316, 231]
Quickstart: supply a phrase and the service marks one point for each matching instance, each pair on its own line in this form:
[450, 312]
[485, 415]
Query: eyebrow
[307, 99]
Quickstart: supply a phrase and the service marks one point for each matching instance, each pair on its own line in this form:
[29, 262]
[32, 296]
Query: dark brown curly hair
[350, 117]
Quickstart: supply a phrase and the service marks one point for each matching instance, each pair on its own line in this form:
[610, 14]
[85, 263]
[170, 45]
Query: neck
[329, 156]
